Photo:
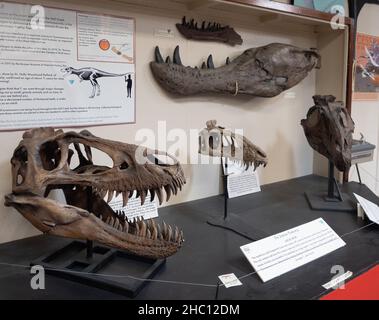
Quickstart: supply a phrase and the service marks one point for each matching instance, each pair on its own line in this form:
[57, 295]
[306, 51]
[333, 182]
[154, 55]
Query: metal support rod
[358, 173]
[225, 192]
[331, 181]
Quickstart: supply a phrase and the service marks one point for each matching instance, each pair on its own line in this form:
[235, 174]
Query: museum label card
[370, 208]
[288, 250]
[230, 280]
[240, 181]
[134, 209]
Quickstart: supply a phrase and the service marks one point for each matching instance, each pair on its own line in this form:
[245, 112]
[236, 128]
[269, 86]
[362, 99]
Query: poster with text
[65, 68]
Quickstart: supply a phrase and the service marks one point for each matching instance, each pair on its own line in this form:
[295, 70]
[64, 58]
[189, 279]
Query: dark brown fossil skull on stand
[216, 141]
[41, 163]
[264, 72]
[329, 130]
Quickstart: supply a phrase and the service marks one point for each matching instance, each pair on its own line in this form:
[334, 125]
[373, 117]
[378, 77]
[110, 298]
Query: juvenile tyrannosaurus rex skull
[216, 141]
[41, 163]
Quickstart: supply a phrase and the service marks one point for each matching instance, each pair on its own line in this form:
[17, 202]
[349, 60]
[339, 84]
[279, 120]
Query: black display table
[209, 252]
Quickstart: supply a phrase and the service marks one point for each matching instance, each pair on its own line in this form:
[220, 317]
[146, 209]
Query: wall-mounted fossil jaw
[41, 163]
[264, 71]
[209, 32]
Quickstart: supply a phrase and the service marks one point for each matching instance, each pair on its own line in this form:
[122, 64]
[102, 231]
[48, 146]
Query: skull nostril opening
[124, 166]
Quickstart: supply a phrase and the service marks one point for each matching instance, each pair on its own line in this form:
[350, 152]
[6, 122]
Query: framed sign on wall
[65, 68]
[366, 68]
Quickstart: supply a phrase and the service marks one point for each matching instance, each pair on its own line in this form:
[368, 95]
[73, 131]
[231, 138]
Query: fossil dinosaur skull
[265, 72]
[41, 163]
[216, 141]
[329, 130]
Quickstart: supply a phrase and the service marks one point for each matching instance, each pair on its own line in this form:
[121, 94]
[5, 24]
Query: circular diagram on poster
[104, 44]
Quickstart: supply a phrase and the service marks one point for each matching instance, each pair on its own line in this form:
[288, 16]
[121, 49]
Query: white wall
[366, 113]
[273, 124]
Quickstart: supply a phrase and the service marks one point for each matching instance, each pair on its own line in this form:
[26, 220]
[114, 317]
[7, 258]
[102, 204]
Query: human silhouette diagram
[129, 85]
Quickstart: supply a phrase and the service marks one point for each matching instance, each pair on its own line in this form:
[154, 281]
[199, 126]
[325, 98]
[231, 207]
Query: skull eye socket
[50, 154]
[21, 154]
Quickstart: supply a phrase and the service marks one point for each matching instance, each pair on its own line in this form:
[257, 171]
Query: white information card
[134, 210]
[370, 208]
[288, 250]
[240, 181]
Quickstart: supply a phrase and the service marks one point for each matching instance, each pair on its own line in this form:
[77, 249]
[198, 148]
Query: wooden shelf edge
[289, 9]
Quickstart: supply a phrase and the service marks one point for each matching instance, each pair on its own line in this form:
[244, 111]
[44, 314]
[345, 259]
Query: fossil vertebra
[216, 141]
[329, 130]
[265, 72]
[210, 32]
[41, 163]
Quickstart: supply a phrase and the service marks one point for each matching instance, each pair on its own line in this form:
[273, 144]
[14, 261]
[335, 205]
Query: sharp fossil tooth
[209, 26]
[148, 234]
[110, 195]
[174, 188]
[102, 193]
[165, 230]
[160, 196]
[210, 64]
[169, 233]
[125, 198]
[168, 59]
[116, 223]
[143, 197]
[152, 195]
[131, 194]
[191, 23]
[227, 60]
[184, 21]
[155, 233]
[176, 234]
[108, 220]
[138, 194]
[181, 237]
[203, 25]
[177, 59]
[158, 56]
[117, 193]
[111, 222]
[196, 27]
[126, 227]
[143, 230]
[136, 228]
[168, 192]
[203, 66]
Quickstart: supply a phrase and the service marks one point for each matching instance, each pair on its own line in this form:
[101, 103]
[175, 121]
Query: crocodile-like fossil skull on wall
[216, 141]
[41, 163]
[265, 72]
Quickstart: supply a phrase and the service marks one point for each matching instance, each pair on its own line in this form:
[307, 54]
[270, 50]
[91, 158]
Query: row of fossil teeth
[144, 229]
[210, 27]
[247, 164]
[177, 60]
[170, 189]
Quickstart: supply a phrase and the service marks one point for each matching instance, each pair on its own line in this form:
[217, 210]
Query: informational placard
[65, 68]
[288, 250]
[230, 280]
[241, 181]
[134, 209]
[369, 208]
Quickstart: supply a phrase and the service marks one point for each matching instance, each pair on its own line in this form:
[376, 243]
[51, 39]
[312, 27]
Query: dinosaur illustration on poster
[91, 75]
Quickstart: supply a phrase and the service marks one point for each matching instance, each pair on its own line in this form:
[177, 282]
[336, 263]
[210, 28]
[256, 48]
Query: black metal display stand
[333, 200]
[99, 266]
[232, 221]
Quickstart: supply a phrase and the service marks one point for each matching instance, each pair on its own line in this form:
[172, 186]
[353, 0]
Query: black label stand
[333, 200]
[231, 221]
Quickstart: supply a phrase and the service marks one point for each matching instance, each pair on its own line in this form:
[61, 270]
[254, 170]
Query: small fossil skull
[41, 163]
[216, 141]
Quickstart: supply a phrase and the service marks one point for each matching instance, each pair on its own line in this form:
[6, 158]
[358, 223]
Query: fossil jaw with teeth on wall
[264, 71]
[209, 32]
[217, 141]
[41, 163]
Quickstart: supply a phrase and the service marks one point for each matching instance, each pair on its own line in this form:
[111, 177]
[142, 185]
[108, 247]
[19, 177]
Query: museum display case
[131, 190]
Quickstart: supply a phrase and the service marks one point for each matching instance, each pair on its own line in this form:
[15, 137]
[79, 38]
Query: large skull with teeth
[41, 163]
[216, 141]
